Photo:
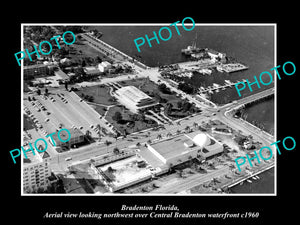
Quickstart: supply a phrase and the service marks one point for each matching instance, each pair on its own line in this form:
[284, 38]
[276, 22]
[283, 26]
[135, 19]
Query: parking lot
[64, 109]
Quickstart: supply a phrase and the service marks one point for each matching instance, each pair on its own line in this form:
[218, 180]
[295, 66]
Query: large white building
[134, 99]
[184, 147]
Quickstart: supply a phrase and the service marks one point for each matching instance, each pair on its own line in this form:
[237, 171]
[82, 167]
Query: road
[189, 182]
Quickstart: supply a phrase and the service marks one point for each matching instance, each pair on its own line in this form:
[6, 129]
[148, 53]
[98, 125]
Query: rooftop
[132, 93]
[174, 146]
[125, 172]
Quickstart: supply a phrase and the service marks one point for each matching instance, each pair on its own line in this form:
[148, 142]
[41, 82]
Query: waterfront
[250, 45]
[263, 185]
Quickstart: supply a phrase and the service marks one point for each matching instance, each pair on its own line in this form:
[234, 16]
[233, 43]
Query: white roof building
[104, 66]
[133, 98]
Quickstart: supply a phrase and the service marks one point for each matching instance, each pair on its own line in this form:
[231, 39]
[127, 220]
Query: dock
[217, 87]
[250, 175]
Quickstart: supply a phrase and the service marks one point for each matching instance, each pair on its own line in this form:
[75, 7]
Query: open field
[100, 94]
[82, 51]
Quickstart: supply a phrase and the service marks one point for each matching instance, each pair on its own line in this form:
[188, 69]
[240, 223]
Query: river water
[250, 45]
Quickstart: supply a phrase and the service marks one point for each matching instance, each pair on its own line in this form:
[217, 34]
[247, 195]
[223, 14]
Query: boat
[257, 177]
[254, 178]
[249, 181]
[191, 49]
[242, 183]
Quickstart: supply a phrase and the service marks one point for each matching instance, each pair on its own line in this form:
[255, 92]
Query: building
[185, 147]
[91, 71]
[123, 173]
[65, 61]
[36, 172]
[77, 137]
[35, 70]
[209, 145]
[134, 99]
[61, 75]
[104, 66]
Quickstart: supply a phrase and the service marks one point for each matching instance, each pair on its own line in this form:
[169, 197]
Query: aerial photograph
[153, 116]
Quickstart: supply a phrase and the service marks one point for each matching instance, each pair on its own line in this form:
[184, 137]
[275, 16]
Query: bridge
[255, 97]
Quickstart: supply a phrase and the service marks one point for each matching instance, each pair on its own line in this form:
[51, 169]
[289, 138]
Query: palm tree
[98, 127]
[88, 134]
[178, 132]
[169, 134]
[159, 136]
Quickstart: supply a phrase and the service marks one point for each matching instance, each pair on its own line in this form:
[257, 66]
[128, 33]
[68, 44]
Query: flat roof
[126, 171]
[174, 146]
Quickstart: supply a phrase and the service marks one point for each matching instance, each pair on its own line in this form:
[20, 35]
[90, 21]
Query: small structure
[92, 71]
[104, 66]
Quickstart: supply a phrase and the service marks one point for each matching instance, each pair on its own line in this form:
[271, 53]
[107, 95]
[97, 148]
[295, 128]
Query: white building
[36, 172]
[185, 147]
[104, 66]
[134, 99]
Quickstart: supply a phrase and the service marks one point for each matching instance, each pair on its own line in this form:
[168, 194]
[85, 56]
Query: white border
[154, 24]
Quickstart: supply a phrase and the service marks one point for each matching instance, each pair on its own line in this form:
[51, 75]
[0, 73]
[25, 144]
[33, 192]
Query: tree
[116, 151]
[164, 89]
[66, 85]
[117, 117]
[179, 104]
[88, 134]
[159, 136]
[98, 127]
[38, 91]
[83, 63]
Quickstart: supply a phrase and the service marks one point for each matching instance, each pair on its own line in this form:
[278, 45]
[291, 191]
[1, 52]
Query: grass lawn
[83, 50]
[138, 125]
[99, 109]
[100, 93]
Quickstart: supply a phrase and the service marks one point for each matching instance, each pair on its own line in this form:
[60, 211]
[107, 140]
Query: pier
[217, 87]
[250, 174]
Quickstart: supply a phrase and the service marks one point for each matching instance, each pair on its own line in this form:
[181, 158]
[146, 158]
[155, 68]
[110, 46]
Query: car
[68, 158]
